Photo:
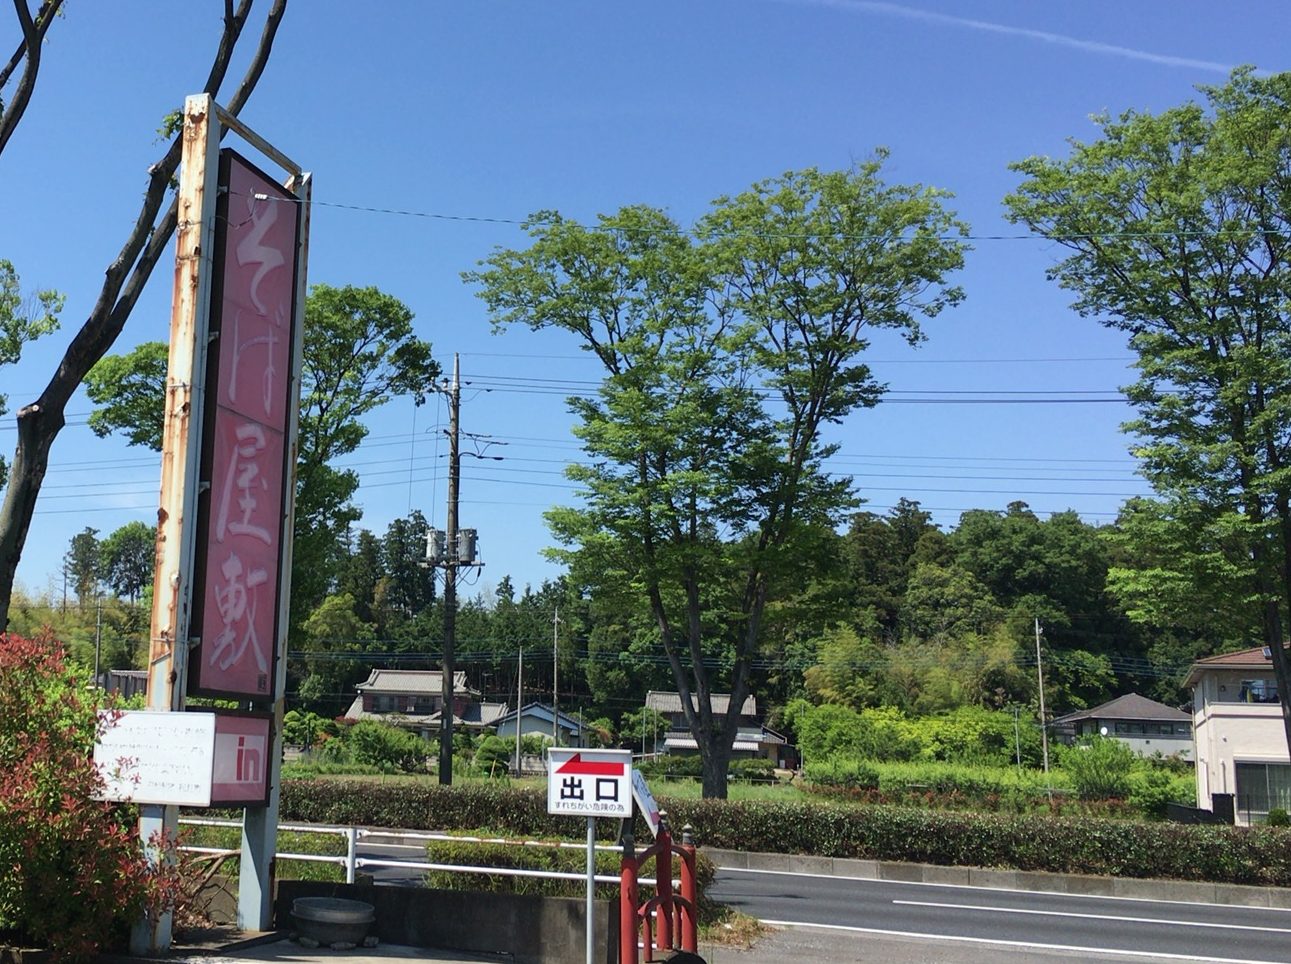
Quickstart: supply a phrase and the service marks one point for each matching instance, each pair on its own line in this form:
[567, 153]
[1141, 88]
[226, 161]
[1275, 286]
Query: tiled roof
[411, 681]
[1244, 659]
[670, 702]
[1131, 706]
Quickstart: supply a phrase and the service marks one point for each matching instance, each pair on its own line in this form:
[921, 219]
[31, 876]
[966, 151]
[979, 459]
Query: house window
[1261, 786]
[384, 704]
[1258, 691]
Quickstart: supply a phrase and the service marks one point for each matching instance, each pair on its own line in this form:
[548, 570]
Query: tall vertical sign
[220, 599]
[241, 516]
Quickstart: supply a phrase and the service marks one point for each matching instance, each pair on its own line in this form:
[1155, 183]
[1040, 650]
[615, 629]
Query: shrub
[494, 756]
[370, 743]
[1085, 844]
[1100, 767]
[842, 774]
[1151, 790]
[72, 868]
[1278, 817]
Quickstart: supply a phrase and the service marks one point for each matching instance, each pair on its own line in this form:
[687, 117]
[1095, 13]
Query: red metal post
[663, 886]
[690, 913]
[628, 903]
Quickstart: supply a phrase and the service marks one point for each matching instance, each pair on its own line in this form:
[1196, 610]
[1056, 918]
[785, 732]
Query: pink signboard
[244, 440]
[242, 747]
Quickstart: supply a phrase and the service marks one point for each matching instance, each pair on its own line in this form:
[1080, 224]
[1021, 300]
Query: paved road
[846, 919]
[1157, 930]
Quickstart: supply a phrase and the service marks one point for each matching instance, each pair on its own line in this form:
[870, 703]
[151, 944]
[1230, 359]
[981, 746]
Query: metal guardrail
[352, 861]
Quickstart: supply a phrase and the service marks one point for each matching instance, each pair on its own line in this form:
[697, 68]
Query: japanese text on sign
[250, 392]
[589, 783]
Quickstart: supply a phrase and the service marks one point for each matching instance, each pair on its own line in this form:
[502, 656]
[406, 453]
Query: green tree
[726, 355]
[83, 563]
[360, 351]
[409, 583]
[128, 555]
[945, 603]
[23, 319]
[334, 640]
[41, 421]
[1176, 227]
[128, 391]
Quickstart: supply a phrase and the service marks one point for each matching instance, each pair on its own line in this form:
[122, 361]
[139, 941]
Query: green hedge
[1084, 845]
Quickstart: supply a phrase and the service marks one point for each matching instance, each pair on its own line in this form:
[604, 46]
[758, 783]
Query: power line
[887, 237]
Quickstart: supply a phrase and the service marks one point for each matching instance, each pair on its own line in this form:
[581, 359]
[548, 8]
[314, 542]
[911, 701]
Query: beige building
[1241, 744]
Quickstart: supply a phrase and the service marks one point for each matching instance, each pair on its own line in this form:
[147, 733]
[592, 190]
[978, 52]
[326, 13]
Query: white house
[536, 719]
[1241, 744]
[1145, 726]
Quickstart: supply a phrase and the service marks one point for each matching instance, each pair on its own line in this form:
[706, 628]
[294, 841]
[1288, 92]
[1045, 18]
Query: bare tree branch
[33, 33]
[40, 422]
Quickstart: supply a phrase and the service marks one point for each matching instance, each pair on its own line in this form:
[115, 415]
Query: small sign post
[589, 783]
[645, 802]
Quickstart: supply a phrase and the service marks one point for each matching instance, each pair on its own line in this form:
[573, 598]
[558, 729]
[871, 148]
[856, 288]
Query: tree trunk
[36, 432]
[713, 785]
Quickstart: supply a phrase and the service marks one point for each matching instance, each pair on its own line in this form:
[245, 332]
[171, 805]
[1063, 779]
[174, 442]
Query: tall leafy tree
[128, 558]
[725, 357]
[41, 421]
[1178, 233]
[83, 563]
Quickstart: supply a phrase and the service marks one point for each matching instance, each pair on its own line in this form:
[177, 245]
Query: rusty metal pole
[180, 452]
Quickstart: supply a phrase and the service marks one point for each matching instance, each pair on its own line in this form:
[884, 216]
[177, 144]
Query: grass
[730, 928]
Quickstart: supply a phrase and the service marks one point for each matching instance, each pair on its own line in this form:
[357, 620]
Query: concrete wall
[1229, 732]
[534, 930]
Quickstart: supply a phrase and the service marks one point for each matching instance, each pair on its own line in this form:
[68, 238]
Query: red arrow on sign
[576, 764]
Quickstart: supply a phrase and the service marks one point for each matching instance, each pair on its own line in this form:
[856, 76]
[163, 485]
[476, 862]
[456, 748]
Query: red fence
[669, 920]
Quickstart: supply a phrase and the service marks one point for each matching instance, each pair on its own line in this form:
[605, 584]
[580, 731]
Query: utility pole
[1039, 670]
[98, 635]
[555, 669]
[450, 583]
[519, 705]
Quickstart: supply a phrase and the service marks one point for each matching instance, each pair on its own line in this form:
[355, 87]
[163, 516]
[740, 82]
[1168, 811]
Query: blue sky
[492, 110]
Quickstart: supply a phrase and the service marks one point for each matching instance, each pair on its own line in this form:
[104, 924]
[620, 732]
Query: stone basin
[332, 920]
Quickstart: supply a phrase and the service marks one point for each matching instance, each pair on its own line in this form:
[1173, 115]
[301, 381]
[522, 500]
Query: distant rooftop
[664, 701]
[1131, 706]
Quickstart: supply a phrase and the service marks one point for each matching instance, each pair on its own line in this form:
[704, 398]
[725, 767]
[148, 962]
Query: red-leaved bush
[72, 873]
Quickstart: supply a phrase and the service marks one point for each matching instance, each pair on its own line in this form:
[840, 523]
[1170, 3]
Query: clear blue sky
[497, 109]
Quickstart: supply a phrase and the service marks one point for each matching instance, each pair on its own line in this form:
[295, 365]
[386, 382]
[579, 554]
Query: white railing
[351, 861]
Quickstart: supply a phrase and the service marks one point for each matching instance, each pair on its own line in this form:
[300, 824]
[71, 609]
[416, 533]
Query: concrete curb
[1143, 889]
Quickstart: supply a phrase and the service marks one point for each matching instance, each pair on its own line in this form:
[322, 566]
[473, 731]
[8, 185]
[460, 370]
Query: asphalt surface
[1016, 920]
[833, 919]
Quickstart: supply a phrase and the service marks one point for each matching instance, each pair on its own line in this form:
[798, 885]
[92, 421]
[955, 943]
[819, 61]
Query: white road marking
[1012, 890]
[1155, 956]
[1099, 917]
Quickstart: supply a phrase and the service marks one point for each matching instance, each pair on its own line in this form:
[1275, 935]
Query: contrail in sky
[1061, 40]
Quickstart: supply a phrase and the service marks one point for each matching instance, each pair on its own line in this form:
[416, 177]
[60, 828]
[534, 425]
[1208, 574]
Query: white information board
[152, 756]
[589, 783]
[645, 802]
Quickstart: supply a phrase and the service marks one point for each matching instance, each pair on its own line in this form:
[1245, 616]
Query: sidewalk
[799, 945]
